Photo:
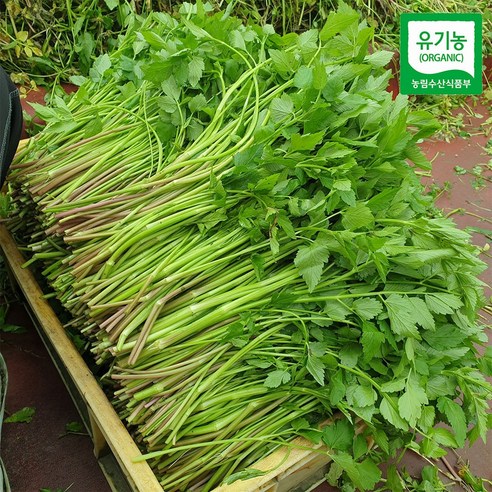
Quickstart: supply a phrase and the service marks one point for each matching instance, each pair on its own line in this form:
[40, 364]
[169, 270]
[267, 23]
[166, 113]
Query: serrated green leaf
[153, 39]
[277, 378]
[281, 107]
[486, 361]
[342, 185]
[304, 77]
[339, 435]
[393, 386]
[197, 103]
[258, 262]
[165, 131]
[336, 310]
[421, 313]
[319, 76]
[431, 449]
[456, 418]
[157, 71]
[427, 418]
[411, 402]
[318, 349]
[348, 197]
[445, 337]
[308, 42]
[310, 261]
[393, 480]
[350, 353]
[444, 437]
[401, 316]
[381, 439]
[440, 385]
[267, 183]
[334, 474]
[75, 427]
[300, 423]
[363, 475]
[360, 446]
[367, 307]
[443, 303]
[357, 217]
[364, 396]
[198, 32]
[195, 70]
[100, 66]
[286, 224]
[418, 258]
[337, 388]
[415, 154]
[85, 47]
[389, 412]
[283, 61]
[316, 368]
[45, 113]
[312, 435]
[336, 22]
[305, 142]
[369, 473]
[247, 159]
[335, 150]
[410, 349]
[93, 127]
[262, 364]
[379, 58]
[371, 341]
[171, 88]
[77, 80]
[237, 40]
[112, 4]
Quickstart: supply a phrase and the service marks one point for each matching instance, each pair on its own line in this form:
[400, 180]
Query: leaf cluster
[234, 218]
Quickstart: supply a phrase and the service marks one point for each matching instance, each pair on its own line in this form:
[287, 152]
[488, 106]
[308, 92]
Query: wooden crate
[288, 469]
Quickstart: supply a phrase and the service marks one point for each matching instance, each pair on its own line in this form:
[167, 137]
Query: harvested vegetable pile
[231, 218]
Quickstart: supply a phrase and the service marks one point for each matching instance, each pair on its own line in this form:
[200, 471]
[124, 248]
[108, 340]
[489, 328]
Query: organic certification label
[441, 54]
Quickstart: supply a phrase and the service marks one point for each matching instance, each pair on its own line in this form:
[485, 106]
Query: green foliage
[339, 435]
[25, 414]
[244, 240]
[74, 427]
[276, 378]
[364, 475]
[310, 260]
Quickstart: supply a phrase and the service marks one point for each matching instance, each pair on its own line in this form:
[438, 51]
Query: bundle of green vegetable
[231, 218]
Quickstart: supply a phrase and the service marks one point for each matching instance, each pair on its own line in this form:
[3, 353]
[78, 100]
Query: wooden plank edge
[285, 461]
[287, 466]
[139, 474]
